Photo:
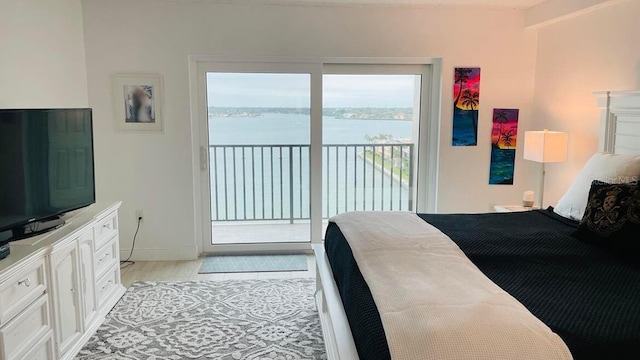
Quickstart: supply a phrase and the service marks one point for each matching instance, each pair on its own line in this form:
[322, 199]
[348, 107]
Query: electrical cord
[133, 245]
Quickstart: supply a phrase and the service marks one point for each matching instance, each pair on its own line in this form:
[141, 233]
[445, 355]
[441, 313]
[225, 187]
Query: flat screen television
[46, 168]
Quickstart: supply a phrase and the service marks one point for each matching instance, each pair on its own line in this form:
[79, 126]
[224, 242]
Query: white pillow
[608, 168]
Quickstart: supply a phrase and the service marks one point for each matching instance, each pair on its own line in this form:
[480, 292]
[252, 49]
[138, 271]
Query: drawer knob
[26, 282]
[107, 285]
[106, 226]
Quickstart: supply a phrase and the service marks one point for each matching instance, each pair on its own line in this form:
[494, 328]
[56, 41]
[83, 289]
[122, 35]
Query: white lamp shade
[546, 146]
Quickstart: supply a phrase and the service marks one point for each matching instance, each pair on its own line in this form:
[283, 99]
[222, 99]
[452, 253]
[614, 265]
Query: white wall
[42, 62]
[595, 51]
[153, 171]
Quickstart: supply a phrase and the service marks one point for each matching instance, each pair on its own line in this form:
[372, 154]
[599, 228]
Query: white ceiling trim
[553, 11]
[497, 4]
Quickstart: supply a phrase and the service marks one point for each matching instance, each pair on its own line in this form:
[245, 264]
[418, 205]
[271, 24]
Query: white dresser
[56, 288]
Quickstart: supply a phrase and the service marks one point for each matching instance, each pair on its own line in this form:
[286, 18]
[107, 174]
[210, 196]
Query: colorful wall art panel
[503, 146]
[466, 101]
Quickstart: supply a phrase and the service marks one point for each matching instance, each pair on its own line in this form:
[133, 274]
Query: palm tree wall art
[504, 134]
[466, 95]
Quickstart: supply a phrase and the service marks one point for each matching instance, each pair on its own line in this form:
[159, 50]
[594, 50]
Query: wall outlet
[139, 215]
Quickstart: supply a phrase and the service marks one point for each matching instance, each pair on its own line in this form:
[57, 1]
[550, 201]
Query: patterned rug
[236, 319]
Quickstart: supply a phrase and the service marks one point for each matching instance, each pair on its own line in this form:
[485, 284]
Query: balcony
[260, 193]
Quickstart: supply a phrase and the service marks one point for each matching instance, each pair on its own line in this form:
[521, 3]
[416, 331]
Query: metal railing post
[411, 177]
[290, 184]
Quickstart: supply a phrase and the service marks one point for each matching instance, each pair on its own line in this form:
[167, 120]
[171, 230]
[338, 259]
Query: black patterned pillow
[612, 216]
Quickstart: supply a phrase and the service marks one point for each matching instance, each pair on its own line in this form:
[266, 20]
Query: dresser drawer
[106, 284]
[106, 256]
[20, 334]
[43, 350]
[19, 290]
[105, 229]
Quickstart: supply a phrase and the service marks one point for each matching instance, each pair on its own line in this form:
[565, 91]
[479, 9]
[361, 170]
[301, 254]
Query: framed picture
[137, 102]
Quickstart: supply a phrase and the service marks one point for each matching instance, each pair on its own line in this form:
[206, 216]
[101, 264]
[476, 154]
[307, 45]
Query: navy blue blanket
[588, 296]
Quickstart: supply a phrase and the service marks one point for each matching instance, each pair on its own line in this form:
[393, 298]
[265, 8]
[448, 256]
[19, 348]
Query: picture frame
[138, 102]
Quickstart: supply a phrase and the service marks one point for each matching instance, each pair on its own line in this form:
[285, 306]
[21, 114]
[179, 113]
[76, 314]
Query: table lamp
[545, 147]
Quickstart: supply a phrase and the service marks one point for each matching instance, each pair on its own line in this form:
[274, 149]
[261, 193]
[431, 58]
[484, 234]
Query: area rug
[252, 263]
[234, 320]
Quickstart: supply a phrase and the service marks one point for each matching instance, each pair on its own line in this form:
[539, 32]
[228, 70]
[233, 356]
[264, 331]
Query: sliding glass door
[285, 146]
[259, 128]
[368, 144]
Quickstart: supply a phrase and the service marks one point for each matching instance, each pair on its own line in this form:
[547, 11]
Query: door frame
[426, 156]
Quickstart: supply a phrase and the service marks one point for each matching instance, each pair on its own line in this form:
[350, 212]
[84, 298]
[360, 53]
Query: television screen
[46, 164]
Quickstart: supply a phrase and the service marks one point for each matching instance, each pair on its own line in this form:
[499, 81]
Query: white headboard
[620, 121]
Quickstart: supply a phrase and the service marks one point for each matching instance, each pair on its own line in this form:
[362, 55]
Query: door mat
[252, 263]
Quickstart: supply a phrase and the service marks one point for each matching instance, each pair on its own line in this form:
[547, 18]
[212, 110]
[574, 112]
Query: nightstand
[512, 208]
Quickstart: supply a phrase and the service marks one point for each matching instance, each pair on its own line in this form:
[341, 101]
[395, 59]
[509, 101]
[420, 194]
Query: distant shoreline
[400, 114]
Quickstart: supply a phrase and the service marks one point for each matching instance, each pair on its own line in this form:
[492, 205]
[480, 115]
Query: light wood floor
[188, 270]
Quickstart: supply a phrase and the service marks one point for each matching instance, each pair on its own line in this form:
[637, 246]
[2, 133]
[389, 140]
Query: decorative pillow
[612, 215]
[609, 168]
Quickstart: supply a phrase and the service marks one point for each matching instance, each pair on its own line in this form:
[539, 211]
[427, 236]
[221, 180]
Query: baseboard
[166, 254]
[88, 333]
[110, 302]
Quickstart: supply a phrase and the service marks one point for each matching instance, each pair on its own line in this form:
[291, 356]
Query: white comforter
[433, 301]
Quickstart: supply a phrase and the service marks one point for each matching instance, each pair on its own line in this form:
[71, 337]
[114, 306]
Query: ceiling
[511, 4]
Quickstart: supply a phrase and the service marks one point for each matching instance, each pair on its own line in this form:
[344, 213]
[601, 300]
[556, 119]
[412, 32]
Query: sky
[292, 90]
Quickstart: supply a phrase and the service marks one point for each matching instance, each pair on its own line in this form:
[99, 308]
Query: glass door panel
[369, 122]
[259, 135]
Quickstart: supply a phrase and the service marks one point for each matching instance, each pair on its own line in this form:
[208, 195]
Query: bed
[566, 284]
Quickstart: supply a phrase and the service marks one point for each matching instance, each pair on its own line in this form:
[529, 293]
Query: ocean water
[272, 129]
[255, 183]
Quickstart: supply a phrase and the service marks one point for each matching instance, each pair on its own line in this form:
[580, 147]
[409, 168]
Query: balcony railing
[271, 182]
